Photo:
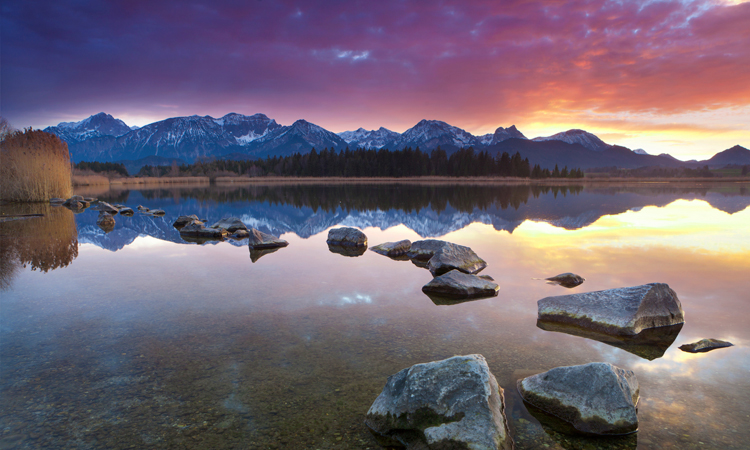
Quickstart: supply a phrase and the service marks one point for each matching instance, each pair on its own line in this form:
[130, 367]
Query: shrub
[35, 167]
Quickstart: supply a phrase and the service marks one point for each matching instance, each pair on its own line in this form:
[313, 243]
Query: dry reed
[90, 180]
[160, 180]
[35, 166]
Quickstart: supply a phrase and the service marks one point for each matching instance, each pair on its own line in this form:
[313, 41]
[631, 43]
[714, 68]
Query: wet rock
[77, 198]
[425, 249]
[346, 237]
[260, 240]
[156, 212]
[453, 256]
[705, 345]
[231, 224]
[142, 208]
[199, 230]
[454, 403]
[649, 344]
[486, 277]
[105, 221]
[240, 234]
[185, 220]
[75, 205]
[125, 211]
[392, 248]
[106, 207]
[568, 280]
[622, 311]
[347, 250]
[595, 398]
[458, 285]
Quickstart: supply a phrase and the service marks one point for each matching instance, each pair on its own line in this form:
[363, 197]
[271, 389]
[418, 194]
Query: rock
[231, 224]
[106, 207]
[453, 256]
[260, 240]
[142, 208]
[455, 284]
[105, 221]
[75, 205]
[347, 250]
[57, 200]
[486, 277]
[346, 237]
[185, 220]
[392, 248]
[198, 229]
[156, 212]
[90, 199]
[568, 280]
[240, 234]
[595, 398]
[622, 311]
[425, 249]
[705, 345]
[125, 211]
[77, 198]
[454, 403]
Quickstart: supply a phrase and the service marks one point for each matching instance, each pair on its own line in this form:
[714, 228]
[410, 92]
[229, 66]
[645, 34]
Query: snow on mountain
[500, 135]
[640, 151]
[586, 139]
[300, 137]
[94, 126]
[429, 134]
[362, 138]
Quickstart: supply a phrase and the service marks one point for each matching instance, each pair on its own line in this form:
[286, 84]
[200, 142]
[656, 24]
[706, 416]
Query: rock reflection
[649, 344]
[348, 250]
[45, 243]
[256, 254]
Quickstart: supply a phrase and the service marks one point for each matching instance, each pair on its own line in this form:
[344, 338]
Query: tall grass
[34, 167]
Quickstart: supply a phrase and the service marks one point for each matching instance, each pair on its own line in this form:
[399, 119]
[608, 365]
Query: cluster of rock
[260, 243]
[76, 203]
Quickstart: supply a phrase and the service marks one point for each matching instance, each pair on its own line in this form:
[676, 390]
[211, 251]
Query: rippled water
[137, 339]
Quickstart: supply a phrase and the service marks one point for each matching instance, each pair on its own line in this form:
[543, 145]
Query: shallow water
[137, 339]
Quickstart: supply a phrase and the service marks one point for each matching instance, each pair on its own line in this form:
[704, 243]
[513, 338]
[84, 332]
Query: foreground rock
[260, 240]
[231, 224]
[425, 249]
[568, 280]
[198, 229]
[595, 398]
[454, 403]
[705, 345]
[185, 220]
[453, 256]
[392, 248]
[458, 285]
[105, 221]
[346, 237]
[106, 207]
[622, 311]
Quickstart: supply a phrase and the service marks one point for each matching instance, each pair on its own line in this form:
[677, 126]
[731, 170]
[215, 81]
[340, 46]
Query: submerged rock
[199, 230]
[185, 220]
[622, 311]
[425, 249]
[458, 285]
[392, 248]
[454, 403]
[231, 224]
[260, 240]
[453, 256]
[105, 221]
[568, 280]
[106, 207]
[346, 237]
[595, 398]
[705, 345]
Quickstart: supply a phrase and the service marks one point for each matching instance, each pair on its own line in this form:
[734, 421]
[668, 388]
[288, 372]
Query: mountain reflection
[44, 243]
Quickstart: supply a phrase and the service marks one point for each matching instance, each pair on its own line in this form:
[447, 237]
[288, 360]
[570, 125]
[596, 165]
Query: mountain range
[104, 138]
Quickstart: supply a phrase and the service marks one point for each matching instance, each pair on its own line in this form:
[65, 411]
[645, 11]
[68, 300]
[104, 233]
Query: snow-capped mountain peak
[576, 136]
[362, 138]
[98, 125]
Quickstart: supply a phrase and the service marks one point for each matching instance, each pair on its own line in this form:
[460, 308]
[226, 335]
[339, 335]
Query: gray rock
[231, 224]
[347, 237]
[185, 220]
[425, 249]
[198, 229]
[392, 248]
[705, 345]
[568, 280]
[105, 221]
[125, 211]
[142, 208]
[155, 212]
[454, 403]
[106, 207]
[453, 256]
[75, 205]
[240, 234]
[595, 398]
[455, 284]
[77, 198]
[622, 311]
[260, 240]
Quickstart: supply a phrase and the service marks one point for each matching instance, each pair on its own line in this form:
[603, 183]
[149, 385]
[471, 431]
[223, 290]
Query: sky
[666, 76]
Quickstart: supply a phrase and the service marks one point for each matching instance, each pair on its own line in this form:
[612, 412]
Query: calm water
[137, 339]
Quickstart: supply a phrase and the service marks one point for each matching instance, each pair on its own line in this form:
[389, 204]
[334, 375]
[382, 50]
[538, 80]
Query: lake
[138, 339]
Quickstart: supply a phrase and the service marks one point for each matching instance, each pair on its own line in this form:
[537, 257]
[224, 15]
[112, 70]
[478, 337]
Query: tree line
[408, 162]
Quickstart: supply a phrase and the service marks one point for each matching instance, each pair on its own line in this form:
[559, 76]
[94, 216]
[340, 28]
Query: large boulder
[705, 345]
[453, 256]
[199, 230]
[231, 224]
[454, 403]
[260, 240]
[595, 398]
[346, 237]
[105, 207]
[621, 311]
[185, 220]
[425, 249]
[568, 280]
[392, 248]
[459, 285]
